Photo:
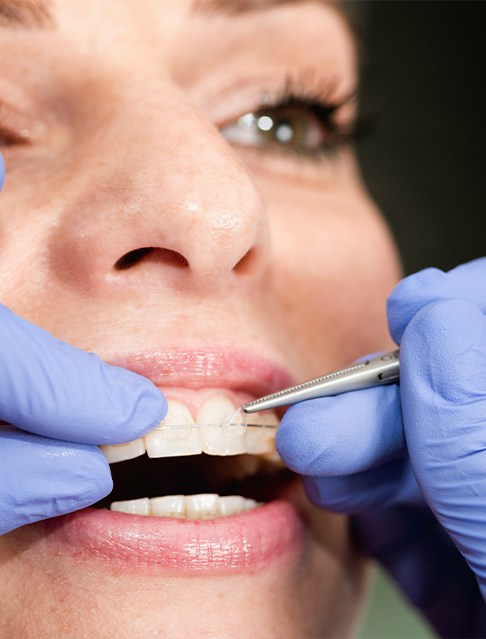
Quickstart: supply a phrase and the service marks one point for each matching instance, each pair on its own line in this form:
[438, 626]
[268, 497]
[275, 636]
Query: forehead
[169, 26]
[40, 14]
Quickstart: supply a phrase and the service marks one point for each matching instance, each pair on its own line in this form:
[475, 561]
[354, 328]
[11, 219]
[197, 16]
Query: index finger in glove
[50, 388]
[465, 282]
[342, 435]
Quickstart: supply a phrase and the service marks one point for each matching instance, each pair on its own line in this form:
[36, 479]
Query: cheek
[336, 266]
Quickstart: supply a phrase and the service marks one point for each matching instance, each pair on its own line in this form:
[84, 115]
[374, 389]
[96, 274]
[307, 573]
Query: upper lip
[202, 368]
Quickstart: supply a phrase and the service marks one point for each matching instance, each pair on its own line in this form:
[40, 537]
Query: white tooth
[250, 504]
[220, 440]
[168, 506]
[260, 440]
[132, 506]
[174, 442]
[201, 506]
[119, 452]
[231, 505]
[275, 458]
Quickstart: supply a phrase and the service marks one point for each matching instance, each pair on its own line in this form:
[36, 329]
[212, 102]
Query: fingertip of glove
[89, 481]
[444, 350]
[295, 441]
[446, 327]
[409, 296]
[344, 434]
[138, 408]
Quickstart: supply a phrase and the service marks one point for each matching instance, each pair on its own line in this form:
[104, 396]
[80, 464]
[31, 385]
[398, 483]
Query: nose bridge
[165, 179]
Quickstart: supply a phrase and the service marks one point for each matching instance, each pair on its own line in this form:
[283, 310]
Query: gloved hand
[401, 459]
[62, 402]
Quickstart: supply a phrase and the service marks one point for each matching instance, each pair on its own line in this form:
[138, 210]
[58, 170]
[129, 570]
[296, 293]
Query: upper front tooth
[176, 436]
[220, 439]
[120, 452]
[260, 440]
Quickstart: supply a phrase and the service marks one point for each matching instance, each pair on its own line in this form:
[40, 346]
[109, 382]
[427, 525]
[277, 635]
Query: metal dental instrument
[377, 371]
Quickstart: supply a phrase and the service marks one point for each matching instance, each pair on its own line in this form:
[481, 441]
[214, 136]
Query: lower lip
[237, 544]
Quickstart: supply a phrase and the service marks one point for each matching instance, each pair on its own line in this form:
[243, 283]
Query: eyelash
[292, 96]
[324, 110]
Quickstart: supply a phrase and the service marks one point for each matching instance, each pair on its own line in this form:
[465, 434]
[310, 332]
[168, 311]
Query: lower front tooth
[168, 506]
[132, 506]
[231, 505]
[201, 506]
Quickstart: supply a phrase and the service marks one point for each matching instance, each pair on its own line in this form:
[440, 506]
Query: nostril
[161, 255]
[245, 264]
[131, 258]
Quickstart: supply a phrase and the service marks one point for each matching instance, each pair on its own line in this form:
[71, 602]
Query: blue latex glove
[401, 459]
[63, 402]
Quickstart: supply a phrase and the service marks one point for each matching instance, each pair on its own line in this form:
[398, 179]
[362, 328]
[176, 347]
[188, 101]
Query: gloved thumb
[443, 389]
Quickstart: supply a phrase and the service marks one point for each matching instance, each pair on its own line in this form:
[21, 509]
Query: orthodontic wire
[219, 425]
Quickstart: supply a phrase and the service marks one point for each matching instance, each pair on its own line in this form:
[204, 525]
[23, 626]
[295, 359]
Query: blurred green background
[424, 70]
[389, 616]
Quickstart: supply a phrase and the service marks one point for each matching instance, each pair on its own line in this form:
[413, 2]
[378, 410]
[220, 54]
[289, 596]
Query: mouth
[198, 466]
[203, 493]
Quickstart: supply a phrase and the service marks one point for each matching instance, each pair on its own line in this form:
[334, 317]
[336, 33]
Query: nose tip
[208, 247]
[180, 206]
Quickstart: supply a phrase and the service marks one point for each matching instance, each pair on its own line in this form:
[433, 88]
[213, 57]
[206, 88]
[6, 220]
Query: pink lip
[200, 368]
[228, 545]
[224, 545]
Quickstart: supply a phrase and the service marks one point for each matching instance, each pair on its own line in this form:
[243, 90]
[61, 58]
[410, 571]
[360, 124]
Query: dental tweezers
[377, 371]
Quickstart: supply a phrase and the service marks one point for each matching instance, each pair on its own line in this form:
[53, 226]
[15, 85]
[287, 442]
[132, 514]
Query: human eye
[298, 122]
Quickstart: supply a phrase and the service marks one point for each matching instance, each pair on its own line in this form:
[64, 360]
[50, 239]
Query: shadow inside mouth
[146, 477]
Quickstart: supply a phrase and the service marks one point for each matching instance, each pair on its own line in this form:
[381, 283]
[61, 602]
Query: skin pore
[120, 123]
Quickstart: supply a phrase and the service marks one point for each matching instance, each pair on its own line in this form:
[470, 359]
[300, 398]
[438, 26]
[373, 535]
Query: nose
[158, 198]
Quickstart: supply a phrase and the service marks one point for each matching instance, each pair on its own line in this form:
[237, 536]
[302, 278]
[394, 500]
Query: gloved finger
[342, 435]
[2, 171]
[465, 282]
[444, 405]
[50, 388]
[42, 478]
[378, 488]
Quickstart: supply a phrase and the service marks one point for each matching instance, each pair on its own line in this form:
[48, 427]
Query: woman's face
[181, 199]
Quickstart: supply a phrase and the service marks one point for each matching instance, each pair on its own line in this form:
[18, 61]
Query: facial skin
[114, 125]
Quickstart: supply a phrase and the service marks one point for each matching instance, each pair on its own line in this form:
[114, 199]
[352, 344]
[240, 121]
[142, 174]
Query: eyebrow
[26, 14]
[36, 14]
[235, 7]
